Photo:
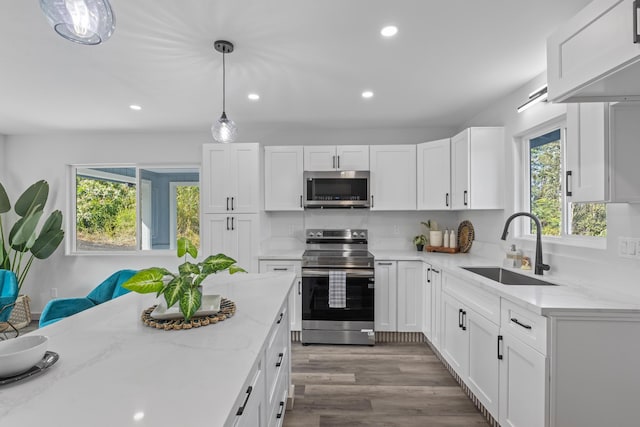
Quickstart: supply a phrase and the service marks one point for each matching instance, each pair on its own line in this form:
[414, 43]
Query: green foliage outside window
[188, 217]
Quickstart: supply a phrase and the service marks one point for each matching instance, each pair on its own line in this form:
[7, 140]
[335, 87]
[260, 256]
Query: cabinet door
[589, 57]
[320, 158]
[295, 296]
[485, 168]
[410, 300]
[427, 305]
[216, 183]
[434, 175]
[587, 152]
[253, 411]
[283, 183]
[243, 170]
[436, 306]
[484, 368]
[245, 240]
[454, 340]
[625, 152]
[385, 296]
[393, 177]
[460, 170]
[216, 236]
[352, 157]
[523, 373]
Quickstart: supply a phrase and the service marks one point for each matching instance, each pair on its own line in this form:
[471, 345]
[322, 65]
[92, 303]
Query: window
[545, 195]
[130, 208]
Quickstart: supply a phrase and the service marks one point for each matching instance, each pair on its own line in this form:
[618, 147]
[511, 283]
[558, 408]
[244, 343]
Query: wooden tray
[442, 249]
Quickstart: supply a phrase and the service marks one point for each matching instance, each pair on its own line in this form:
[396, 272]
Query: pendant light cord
[224, 83]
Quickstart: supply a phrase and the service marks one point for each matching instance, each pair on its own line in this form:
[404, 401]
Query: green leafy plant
[183, 287]
[420, 239]
[23, 236]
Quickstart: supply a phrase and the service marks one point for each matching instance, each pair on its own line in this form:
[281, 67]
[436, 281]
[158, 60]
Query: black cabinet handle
[227, 223]
[435, 271]
[227, 203]
[279, 362]
[464, 320]
[300, 201]
[280, 269]
[338, 162]
[300, 287]
[499, 347]
[465, 193]
[281, 410]
[246, 399]
[280, 319]
[446, 198]
[636, 36]
[385, 263]
[233, 200]
[372, 200]
[514, 320]
[567, 183]
[233, 227]
[428, 275]
[460, 318]
[333, 165]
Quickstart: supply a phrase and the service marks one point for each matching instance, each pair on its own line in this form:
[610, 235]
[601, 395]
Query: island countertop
[115, 371]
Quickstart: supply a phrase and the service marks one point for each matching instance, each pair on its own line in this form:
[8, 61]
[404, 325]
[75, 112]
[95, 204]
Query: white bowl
[18, 355]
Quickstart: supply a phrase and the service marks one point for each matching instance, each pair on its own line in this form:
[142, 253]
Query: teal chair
[111, 288]
[8, 295]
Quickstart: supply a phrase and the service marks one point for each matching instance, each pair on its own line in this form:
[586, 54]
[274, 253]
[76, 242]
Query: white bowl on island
[18, 355]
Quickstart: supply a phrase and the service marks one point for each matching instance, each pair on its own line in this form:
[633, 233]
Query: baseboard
[382, 337]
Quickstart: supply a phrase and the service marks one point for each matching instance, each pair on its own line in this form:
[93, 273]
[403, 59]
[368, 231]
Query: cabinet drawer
[277, 353]
[483, 303]
[281, 266]
[278, 405]
[529, 327]
[247, 410]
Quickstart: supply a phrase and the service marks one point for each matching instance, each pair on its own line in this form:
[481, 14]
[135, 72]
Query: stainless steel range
[338, 286]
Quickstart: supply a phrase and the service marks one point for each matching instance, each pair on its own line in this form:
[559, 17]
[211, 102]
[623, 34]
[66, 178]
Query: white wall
[49, 155]
[600, 269]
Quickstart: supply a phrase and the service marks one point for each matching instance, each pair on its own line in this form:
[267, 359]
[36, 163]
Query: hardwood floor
[398, 384]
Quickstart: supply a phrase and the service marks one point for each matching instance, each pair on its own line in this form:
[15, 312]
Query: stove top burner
[337, 249]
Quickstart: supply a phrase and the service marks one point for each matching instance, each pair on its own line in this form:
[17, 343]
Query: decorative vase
[435, 237]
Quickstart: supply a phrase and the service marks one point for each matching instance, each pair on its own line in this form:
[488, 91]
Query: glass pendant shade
[88, 22]
[224, 130]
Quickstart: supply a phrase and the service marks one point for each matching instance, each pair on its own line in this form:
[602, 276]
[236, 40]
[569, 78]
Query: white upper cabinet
[230, 178]
[341, 157]
[595, 55]
[393, 177]
[587, 152]
[237, 236]
[434, 175]
[283, 178]
[602, 152]
[477, 168]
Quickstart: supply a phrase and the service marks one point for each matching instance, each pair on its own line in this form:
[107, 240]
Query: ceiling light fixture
[87, 22]
[367, 94]
[389, 31]
[135, 107]
[224, 130]
[536, 96]
[253, 96]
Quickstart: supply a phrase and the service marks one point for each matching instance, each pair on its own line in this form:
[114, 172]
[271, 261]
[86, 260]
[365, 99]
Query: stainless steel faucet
[540, 267]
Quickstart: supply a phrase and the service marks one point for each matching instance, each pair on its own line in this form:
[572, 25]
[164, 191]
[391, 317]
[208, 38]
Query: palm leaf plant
[183, 288]
[24, 243]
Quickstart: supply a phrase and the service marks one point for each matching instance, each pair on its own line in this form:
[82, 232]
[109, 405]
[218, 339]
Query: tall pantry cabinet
[229, 200]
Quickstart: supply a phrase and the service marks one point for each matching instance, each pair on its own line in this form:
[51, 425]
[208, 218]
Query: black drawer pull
[246, 399]
[464, 320]
[280, 319]
[281, 410]
[279, 362]
[227, 203]
[514, 320]
[447, 199]
[499, 349]
[385, 263]
[280, 269]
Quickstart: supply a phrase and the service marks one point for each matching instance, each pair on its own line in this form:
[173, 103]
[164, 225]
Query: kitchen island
[115, 371]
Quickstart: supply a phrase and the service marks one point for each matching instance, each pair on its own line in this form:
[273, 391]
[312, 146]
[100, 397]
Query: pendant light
[87, 22]
[224, 130]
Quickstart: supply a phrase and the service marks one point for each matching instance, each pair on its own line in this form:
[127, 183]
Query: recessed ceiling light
[135, 107]
[253, 96]
[367, 94]
[389, 31]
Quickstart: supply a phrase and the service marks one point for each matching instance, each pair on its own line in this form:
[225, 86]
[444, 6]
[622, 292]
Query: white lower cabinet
[410, 289]
[237, 236]
[251, 410]
[385, 296]
[295, 297]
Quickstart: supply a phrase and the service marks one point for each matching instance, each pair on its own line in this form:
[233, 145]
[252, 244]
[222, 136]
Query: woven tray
[227, 309]
[20, 315]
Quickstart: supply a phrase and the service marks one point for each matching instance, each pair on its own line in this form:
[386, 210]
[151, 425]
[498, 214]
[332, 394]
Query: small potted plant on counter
[420, 240]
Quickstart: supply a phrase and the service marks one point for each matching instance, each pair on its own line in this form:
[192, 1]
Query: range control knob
[311, 234]
[362, 234]
[319, 234]
[355, 234]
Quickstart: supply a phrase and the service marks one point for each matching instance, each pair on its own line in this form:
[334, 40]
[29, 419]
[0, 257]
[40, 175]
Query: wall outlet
[396, 230]
[54, 293]
[629, 247]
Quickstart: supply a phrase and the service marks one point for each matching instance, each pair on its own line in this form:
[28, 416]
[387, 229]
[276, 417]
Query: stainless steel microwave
[336, 189]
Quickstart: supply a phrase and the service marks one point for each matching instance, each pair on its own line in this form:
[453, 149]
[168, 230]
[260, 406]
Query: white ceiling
[308, 59]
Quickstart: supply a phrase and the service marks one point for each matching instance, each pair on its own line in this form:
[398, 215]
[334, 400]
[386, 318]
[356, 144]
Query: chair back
[8, 293]
[110, 288]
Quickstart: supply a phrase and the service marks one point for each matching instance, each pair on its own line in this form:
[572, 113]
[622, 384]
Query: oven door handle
[325, 273]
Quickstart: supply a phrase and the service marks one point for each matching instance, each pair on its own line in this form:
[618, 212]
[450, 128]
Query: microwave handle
[301, 200]
[372, 200]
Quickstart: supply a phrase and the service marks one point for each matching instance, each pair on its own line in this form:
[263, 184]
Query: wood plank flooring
[395, 384]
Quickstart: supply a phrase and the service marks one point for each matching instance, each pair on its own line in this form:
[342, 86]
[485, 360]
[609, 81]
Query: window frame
[524, 201]
[71, 235]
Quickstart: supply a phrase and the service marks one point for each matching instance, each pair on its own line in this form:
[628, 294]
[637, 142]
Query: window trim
[71, 237]
[524, 200]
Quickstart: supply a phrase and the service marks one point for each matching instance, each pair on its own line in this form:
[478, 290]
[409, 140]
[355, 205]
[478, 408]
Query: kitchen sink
[507, 277]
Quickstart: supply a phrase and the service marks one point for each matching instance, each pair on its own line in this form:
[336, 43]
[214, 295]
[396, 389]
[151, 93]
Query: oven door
[360, 284]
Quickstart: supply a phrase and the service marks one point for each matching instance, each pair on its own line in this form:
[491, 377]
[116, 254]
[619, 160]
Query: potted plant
[184, 287]
[420, 240]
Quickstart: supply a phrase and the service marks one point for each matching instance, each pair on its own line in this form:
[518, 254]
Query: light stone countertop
[112, 366]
